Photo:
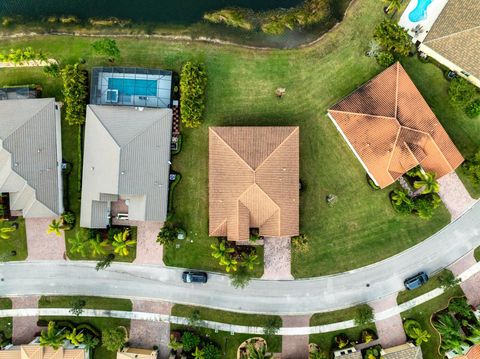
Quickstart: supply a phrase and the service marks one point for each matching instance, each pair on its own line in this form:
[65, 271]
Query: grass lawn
[422, 314]
[6, 323]
[326, 341]
[17, 242]
[361, 228]
[335, 316]
[90, 302]
[433, 283]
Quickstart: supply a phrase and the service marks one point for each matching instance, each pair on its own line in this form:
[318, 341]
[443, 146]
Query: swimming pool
[130, 87]
[420, 11]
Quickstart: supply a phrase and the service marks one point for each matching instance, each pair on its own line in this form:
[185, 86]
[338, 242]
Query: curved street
[261, 296]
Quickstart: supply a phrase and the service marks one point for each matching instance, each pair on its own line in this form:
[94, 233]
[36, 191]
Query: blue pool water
[420, 11]
[131, 87]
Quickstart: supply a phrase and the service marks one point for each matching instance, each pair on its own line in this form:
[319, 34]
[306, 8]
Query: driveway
[390, 330]
[295, 346]
[454, 195]
[471, 287]
[25, 329]
[148, 250]
[260, 296]
[41, 245]
[277, 258]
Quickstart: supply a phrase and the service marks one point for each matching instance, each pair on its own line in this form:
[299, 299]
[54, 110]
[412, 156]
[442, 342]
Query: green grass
[361, 228]
[433, 283]
[335, 316]
[326, 341]
[222, 316]
[17, 242]
[422, 314]
[6, 323]
[90, 302]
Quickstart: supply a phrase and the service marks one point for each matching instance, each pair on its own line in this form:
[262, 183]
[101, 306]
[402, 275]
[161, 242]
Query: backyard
[361, 227]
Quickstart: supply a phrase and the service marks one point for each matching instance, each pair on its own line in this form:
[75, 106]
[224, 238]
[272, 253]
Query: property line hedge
[75, 94]
[193, 82]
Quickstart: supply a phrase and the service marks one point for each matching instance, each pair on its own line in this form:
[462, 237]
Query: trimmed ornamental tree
[393, 38]
[461, 92]
[113, 339]
[75, 94]
[193, 83]
[108, 48]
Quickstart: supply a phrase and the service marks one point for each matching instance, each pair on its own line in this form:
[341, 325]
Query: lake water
[162, 11]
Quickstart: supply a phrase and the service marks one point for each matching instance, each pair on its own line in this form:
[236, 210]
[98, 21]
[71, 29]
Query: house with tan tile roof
[391, 129]
[454, 39]
[472, 353]
[253, 181]
[135, 353]
[35, 351]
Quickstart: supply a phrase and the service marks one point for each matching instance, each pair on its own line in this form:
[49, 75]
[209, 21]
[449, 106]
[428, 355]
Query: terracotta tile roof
[34, 351]
[392, 129]
[253, 181]
[473, 353]
[456, 34]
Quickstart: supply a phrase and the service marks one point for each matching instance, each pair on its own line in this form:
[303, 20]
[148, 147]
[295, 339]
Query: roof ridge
[452, 34]
[393, 151]
[164, 114]
[230, 147]
[441, 152]
[366, 114]
[413, 129]
[396, 91]
[275, 150]
[103, 125]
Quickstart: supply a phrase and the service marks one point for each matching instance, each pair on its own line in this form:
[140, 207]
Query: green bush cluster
[473, 109]
[393, 41]
[21, 56]
[274, 22]
[169, 234]
[414, 331]
[193, 83]
[472, 168]
[234, 257]
[461, 92]
[195, 346]
[75, 94]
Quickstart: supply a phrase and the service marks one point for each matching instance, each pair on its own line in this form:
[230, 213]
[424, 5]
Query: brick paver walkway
[24, 328]
[454, 195]
[277, 258]
[295, 346]
[41, 245]
[148, 250]
[390, 330]
[471, 287]
[146, 334]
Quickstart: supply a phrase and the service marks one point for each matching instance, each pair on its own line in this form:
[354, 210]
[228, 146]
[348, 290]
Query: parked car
[194, 277]
[416, 281]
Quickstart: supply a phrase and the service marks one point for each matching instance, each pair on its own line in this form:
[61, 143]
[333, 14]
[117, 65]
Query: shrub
[167, 235]
[68, 219]
[210, 351]
[113, 339]
[371, 183]
[108, 48]
[461, 92]
[363, 315]
[368, 336]
[448, 280]
[473, 109]
[461, 307]
[190, 341]
[240, 278]
[342, 341]
[392, 38]
[193, 82]
[230, 17]
[75, 94]
[272, 326]
[472, 168]
[385, 59]
[409, 325]
[424, 206]
[300, 243]
[52, 70]
[21, 56]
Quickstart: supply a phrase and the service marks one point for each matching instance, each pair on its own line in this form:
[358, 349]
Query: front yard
[15, 248]
[361, 227]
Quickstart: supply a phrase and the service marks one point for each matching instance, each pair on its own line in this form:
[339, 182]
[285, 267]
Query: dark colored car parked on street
[416, 281]
[194, 277]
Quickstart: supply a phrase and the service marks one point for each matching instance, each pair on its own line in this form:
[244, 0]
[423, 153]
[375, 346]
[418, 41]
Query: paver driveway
[25, 328]
[295, 346]
[471, 287]
[454, 195]
[41, 245]
[390, 330]
[148, 250]
[277, 258]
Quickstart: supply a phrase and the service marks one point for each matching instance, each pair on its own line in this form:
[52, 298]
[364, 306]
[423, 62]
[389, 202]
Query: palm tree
[55, 227]
[400, 196]
[420, 336]
[51, 337]
[257, 352]
[249, 260]
[78, 244]
[230, 263]
[198, 353]
[428, 182]
[6, 230]
[221, 250]
[97, 246]
[75, 339]
[393, 5]
[121, 243]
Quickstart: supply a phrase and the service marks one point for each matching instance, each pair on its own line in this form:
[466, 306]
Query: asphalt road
[261, 296]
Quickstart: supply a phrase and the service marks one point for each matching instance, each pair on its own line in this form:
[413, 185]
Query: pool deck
[433, 11]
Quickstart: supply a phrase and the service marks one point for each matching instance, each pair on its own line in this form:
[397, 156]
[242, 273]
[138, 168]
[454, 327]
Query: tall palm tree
[249, 260]
[78, 244]
[121, 243]
[428, 182]
[74, 337]
[97, 246]
[52, 337]
[55, 227]
[393, 5]
[221, 250]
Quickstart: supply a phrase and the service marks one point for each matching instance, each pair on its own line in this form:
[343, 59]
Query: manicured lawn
[361, 227]
[335, 316]
[326, 341]
[6, 323]
[90, 302]
[17, 242]
[422, 314]
[221, 316]
[433, 282]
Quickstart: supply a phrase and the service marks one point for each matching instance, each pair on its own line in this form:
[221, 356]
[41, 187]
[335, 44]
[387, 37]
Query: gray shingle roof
[31, 156]
[127, 153]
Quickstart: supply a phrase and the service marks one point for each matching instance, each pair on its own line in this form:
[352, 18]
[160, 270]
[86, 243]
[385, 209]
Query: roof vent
[122, 173]
[92, 168]
[15, 164]
[39, 150]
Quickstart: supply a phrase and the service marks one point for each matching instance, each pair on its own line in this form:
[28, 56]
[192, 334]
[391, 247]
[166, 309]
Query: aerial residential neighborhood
[240, 179]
